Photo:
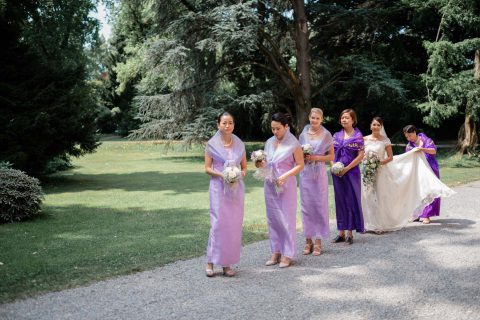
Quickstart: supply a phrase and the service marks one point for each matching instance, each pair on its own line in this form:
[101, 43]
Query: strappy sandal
[317, 249]
[426, 221]
[274, 259]
[308, 248]
[209, 273]
[228, 272]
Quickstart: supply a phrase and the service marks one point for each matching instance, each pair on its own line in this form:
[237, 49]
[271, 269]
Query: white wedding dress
[402, 189]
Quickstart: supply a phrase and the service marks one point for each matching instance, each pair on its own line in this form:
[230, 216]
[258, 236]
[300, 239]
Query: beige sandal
[308, 248]
[274, 259]
[285, 262]
[317, 249]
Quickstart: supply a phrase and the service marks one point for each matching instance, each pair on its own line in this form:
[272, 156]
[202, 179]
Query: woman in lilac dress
[348, 146]
[424, 144]
[314, 182]
[224, 150]
[284, 161]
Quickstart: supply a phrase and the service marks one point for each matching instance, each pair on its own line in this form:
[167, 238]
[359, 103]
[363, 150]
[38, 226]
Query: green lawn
[129, 207]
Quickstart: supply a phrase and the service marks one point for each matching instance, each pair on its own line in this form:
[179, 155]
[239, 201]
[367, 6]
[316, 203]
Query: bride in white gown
[404, 185]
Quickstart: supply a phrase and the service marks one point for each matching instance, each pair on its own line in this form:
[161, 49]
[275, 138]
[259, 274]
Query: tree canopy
[47, 110]
[170, 67]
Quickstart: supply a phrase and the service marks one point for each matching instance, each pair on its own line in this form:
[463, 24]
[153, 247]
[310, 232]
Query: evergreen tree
[46, 109]
[451, 80]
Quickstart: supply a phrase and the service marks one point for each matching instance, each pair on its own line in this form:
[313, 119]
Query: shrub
[20, 195]
[5, 165]
[60, 163]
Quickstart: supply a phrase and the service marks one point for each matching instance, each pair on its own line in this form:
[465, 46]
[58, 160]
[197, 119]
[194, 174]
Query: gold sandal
[317, 249]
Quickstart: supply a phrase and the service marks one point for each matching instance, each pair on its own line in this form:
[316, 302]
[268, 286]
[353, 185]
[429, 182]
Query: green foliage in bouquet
[20, 195]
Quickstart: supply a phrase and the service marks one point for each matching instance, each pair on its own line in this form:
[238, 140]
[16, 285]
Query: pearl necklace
[228, 144]
[312, 133]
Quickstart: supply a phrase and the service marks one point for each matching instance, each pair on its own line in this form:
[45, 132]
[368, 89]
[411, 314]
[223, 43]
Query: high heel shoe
[285, 263]
[308, 248]
[274, 259]
[317, 249]
[228, 272]
[338, 239]
[209, 273]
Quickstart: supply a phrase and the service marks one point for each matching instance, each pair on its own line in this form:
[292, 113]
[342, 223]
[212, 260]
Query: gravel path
[420, 272]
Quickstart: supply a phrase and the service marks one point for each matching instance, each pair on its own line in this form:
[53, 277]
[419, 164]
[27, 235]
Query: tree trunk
[303, 96]
[467, 135]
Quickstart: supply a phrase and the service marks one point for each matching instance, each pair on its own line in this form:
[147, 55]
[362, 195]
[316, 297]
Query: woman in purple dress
[284, 161]
[225, 152]
[348, 146]
[314, 182]
[424, 144]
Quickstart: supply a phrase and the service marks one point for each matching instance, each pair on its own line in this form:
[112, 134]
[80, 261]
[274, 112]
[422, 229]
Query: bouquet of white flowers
[307, 149]
[258, 155]
[231, 174]
[371, 164]
[337, 167]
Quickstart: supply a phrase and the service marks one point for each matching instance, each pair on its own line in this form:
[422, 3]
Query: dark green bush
[20, 195]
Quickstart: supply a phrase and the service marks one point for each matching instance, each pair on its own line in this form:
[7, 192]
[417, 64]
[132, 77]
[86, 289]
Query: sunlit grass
[131, 206]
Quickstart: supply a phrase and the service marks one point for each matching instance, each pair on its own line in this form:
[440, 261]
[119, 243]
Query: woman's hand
[310, 158]
[281, 181]
[342, 172]
[260, 164]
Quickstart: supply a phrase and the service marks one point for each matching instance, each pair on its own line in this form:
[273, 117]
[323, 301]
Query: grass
[129, 207]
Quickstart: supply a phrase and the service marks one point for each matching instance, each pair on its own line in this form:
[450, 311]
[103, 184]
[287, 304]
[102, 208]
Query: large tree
[452, 84]
[45, 101]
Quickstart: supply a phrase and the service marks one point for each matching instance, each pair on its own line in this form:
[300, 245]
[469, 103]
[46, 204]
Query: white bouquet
[337, 167]
[258, 155]
[371, 164]
[307, 149]
[231, 174]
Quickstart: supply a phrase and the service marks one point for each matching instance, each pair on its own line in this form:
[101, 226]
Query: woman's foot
[317, 248]
[349, 240]
[228, 272]
[285, 262]
[274, 259]
[426, 221]
[209, 270]
[339, 238]
[308, 248]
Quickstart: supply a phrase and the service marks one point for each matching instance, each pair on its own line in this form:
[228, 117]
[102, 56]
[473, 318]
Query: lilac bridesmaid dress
[226, 204]
[281, 204]
[314, 187]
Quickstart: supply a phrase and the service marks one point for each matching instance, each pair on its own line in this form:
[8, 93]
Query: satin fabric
[432, 209]
[347, 188]
[281, 204]
[314, 187]
[226, 204]
[403, 188]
